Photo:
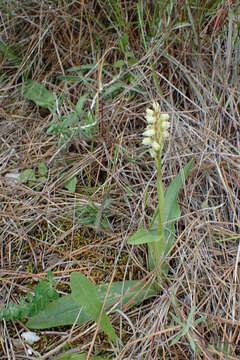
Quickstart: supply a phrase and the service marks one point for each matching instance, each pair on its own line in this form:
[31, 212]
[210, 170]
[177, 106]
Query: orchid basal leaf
[143, 236]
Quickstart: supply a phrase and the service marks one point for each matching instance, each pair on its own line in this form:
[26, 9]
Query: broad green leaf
[81, 78]
[37, 93]
[143, 236]
[71, 184]
[82, 356]
[63, 311]
[85, 293]
[66, 309]
[26, 175]
[42, 168]
[176, 339]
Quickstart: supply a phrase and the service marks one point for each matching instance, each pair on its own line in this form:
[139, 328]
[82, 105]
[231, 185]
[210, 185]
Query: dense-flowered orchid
[156, 131]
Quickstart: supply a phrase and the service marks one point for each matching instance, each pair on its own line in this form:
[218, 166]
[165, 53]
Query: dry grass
[40, 230]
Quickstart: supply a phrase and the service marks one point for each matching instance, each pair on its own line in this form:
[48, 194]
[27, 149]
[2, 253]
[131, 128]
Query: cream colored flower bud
[149, 132]
[164, 117]
[156, 106]
[165, 134]
[156, 131]
[156, 146]
[153, 153]
[150, 119]
[149, 112]
[165, 124]
[147, 141]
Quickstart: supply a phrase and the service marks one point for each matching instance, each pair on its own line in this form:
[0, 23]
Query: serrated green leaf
[143, 236]
[44, 292]
[66, 310]
[42, 168]
[85, 293]
[71, 184]
[37, 93]
[27, 175]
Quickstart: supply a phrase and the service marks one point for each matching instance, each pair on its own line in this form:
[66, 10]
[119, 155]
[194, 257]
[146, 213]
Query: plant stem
[160, 196]
[157, 248]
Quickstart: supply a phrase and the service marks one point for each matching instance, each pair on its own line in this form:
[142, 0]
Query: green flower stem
[160, 196]
[157, 248]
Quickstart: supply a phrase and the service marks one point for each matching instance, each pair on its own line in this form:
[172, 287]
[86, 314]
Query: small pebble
[29, 351]
[30, 337]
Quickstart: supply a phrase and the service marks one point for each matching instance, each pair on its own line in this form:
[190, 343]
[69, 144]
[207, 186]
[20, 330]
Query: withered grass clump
[123, 55]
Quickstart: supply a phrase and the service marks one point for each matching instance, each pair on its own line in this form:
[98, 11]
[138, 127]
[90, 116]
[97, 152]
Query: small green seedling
[187, 327]
[65, 126]
[44, 293]
[34, 178]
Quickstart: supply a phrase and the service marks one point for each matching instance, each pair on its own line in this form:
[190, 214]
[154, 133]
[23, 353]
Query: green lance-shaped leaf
[82, 356]
[66, 310]
[85, 293]
[171, 194]
[143, 236]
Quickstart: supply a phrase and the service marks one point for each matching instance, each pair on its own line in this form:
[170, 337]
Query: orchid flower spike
[156, 131]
